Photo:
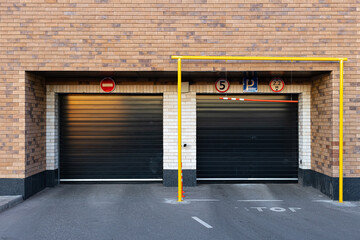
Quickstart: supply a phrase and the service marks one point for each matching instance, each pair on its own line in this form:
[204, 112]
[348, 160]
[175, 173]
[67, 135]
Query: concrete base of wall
[12, 186]
[30, 185]
[329, 185]
[34, 184]
[170, 178]
[52, 178]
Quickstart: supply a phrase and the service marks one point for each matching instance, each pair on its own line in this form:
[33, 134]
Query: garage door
[243, 140]
[111, 137]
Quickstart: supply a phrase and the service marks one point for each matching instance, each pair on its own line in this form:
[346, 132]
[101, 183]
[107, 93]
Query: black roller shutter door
[247, 139]
[111, 137]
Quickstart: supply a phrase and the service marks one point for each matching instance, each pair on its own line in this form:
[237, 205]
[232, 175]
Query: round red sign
[277, 84]
[222, 85]
[107, 84]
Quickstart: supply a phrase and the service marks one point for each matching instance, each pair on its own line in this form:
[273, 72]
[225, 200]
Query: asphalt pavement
[209, 211]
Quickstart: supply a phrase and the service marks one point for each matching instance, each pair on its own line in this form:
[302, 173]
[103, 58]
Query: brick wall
[325, 128]
[12, 125]
[111, 35]
[35, 134]
[321, 126]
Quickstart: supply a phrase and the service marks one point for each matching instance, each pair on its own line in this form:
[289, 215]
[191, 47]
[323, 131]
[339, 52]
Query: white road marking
[293, 209]
[188, 201]
[278, 209]
[260, 200]
[202, 222]
[274, 209]
[336, 203]
[260, 209]
[326, 201]
[175, 201]
[203, 200]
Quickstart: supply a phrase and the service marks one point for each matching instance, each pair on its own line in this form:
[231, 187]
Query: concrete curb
[7, 202]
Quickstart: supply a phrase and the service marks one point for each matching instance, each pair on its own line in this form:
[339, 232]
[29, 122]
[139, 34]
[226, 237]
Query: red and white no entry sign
[107, 84]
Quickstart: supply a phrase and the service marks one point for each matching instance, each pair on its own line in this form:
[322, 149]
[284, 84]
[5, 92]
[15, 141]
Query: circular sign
[222, 85]
[107, 84]
[277, 84]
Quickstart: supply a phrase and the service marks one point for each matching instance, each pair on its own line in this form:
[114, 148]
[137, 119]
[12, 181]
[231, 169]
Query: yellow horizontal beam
[320, 59]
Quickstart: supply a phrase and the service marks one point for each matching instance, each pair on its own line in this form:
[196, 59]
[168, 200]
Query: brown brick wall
[129, 35]
[35, 124]
[323, 149]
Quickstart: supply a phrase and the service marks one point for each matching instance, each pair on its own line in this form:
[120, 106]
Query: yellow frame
[315, 59]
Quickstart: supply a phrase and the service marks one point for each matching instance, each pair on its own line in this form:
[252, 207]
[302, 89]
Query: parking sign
[250, 82]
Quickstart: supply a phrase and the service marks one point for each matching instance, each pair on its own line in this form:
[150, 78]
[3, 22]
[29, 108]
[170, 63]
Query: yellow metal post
[341, 102]
[180, 183]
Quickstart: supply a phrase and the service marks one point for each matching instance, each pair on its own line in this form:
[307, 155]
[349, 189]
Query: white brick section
[51, 130]
[188, 130]
[305, 130]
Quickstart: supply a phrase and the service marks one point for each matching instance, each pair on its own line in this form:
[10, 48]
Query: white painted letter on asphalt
[293, 209]
[277, 209]
[259, 208]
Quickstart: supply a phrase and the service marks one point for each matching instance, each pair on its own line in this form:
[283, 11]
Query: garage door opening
[111, 137]
[247, 141]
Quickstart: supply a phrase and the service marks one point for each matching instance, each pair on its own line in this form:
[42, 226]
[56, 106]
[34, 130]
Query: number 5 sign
[222, 85]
